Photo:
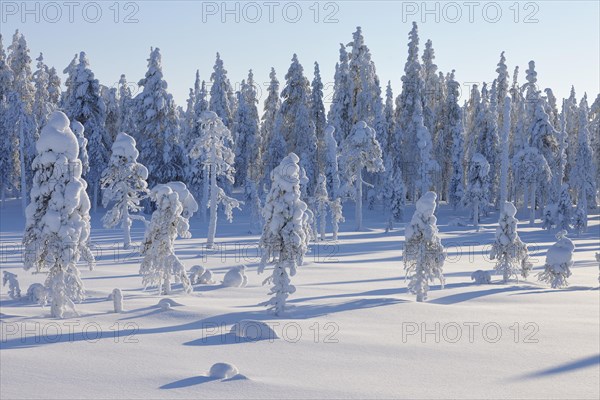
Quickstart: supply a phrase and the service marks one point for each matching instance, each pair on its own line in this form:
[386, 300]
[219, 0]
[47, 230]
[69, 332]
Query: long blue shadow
[182, 383]
[568, 367]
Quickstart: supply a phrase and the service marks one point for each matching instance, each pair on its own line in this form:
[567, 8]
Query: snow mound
[167, 303]
[57, 137]
[481, 277]
[253, 330]
[426, 204]
[223, 371]
[236, 277]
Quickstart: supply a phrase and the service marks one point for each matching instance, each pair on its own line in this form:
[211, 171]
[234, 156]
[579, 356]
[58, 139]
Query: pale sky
[563, 37]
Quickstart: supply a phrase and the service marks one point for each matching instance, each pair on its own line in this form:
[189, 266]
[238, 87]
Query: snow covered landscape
[283, 243]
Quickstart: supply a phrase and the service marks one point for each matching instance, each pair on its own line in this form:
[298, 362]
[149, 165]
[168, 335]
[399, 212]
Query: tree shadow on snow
[460, 297]
[592, 361]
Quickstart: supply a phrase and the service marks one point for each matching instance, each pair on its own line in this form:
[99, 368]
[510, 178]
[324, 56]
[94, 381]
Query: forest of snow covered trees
[171, 206]
[510, 141]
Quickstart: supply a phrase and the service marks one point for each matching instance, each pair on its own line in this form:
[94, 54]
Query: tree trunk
[359, 196]
[476, 214]
[126, 228]
[23, 167]
[205, 191]
[532, 215]
[212, 224]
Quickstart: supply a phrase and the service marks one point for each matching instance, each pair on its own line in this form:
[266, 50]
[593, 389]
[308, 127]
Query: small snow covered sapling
[57, 218]
[14, 291]
[476, 194]
[559, 261]
[213, 148]
[160, 266]
[336, 216]
[236, 277]
[508, 249]
[124, 182]
[423, 253]
[285, 237]
[117, 297]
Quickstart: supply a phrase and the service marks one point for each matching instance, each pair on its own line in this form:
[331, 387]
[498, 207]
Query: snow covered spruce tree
[454, 118]
[339, 115]
[360, 150]
[531, 172]
[247, 132]
[423, 251]
[160, 266]
[476, 193]
[272, 149]
[564, 209]
[213, 147]
[508, 249]
[157, 126]
[321, 200]
[124, 183]
[294, 124]
[331, 168]
[41, 101]
[317, 114]
[559, 260]
[583, 170]
[9, 141]
[221, 94]
[285, 237]
[21, 119]
[87, 106]
[57, 218]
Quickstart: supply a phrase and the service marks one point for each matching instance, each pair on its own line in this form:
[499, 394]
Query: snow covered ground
[352, 330]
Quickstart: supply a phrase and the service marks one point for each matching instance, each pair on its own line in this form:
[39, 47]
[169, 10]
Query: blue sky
[563, 37]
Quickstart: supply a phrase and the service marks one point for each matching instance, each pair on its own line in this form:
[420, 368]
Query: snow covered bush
[336, 217]
[508, 249]
[285, 237]
[481, 277]
[117, 297]
[213, 148]
[476, 194]
[14, 290]
[559, 261]
[160, 266]
[423, 252]
[124, 183]
[57, 218]
[360, 150]
[207, 278]
[236, 277]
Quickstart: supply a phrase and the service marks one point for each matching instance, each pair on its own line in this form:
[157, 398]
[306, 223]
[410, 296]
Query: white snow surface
[354, 292]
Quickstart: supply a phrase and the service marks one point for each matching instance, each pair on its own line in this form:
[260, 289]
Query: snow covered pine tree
[58, 221]
[285, 237]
